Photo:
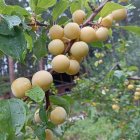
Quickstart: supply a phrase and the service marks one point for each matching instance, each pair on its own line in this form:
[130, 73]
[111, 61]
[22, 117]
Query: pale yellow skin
[115, 107]
[43, 79]
[56, 47]
[138, 89]
[49, 134]
[36, 116]
[119, 14]
[60, 63]
[72, 30]
[102, 33]
[107, 21]
[136, 98]
[79, 49]
[130, 86]
[20, 86]
[56, 32]
[79, 59]
[78, 16]
[137, 93]
[58, 115]
[73, 68]
[88, 35]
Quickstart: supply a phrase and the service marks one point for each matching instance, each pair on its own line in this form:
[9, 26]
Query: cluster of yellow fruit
[69, 63]
[137, 94]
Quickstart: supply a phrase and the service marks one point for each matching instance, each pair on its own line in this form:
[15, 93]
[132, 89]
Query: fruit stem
[95, 12]
[47, 99]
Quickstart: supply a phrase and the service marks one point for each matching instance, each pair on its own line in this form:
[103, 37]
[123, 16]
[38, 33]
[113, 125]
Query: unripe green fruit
[79, 49]
[56, 47]
[72, 30]
[73, 68]
[43, 79]
[60, 63]
[88, 35]
[119, 14]
[58, 115]
[78, 16]
[102, 33]
[107, 21]
[56, 32]
[49, 134]
[20, 86]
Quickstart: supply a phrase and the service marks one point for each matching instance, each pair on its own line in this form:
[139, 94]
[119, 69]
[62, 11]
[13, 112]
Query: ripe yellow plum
[73, 68]
[115, 107]
[56, 47]
[60, 63]
[88, 35]
[20, 86]
[58, 115]
[43, 79]
[49, 134]
[56, 32]
[72, 30]
[78, 16]
[79, 49]
[102, 33]
[119, 14]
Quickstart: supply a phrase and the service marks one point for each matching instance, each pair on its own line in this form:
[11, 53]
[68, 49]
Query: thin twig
[91, 6]
[47, 94]
[69, 46]
[37, 24]
[94, 14]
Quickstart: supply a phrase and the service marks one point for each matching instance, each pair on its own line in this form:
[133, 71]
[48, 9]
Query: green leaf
[9, 10]
[4, 28]
[59, 8]
[75, 5]
[40, 133]
[62, 20]
[33, 4]
[60, 102]
[39, 49]
[45, 4]
[36, 94]
[2, 5]
[29, 41]
[43, 114]
[13, 46]
[12, 116]
[109, 7]
[132, 29]
[12, 21]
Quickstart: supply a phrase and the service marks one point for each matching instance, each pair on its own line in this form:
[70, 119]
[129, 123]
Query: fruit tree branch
[47, 94]
[95, 12]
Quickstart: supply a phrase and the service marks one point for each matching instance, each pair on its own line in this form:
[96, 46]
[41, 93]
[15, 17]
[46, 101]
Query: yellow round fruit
[107, 21]
[58, 115]
[20, 86]
[136, 98]
[73, 68]
[138, 89]
[79, 49]
[49, 134]
[56, 47]
[115, 107]
[56, 32]
[88, 35]
[100, 61]
[60, 63]
[119, 14]
[137, 93]
[43, 79]
[102, 33]
[78, 16]
[36, 116]
[79, 59]
[130, 86]
[72, 30]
